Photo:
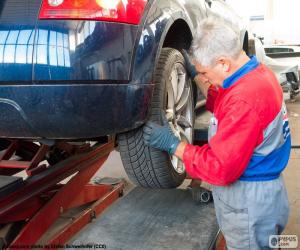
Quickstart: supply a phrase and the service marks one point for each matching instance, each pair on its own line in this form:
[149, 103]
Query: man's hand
[199, 79]
[190, 67]
[160, 137]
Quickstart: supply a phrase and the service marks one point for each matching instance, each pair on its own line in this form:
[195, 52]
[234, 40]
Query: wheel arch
[178, 40]
[175, 31]
[178, 36]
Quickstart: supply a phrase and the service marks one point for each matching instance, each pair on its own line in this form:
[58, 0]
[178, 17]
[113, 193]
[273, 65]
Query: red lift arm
[40, 199]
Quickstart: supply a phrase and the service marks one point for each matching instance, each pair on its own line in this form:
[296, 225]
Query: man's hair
[215, 38]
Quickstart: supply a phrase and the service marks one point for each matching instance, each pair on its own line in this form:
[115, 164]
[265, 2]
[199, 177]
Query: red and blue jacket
[249, 133]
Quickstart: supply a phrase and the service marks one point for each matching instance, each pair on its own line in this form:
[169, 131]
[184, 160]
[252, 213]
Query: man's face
[215, 74]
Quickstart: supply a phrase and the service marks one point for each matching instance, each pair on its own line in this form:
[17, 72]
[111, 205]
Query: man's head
[217, 51]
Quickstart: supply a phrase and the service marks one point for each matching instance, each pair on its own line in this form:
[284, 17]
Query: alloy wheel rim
[179, 109]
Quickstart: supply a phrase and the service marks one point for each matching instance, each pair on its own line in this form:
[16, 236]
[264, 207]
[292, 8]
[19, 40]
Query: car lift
[29, 208]
[39, 200]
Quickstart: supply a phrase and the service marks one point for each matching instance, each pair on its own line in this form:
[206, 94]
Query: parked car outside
[81, 70]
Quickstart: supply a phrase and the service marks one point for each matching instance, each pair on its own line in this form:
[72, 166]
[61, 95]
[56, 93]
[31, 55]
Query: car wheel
[172, 98]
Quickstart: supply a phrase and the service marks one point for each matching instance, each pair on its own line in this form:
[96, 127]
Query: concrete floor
[113, 167]
[292, 172]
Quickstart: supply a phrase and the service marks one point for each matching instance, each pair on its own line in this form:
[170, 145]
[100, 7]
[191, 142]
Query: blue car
[82, 69]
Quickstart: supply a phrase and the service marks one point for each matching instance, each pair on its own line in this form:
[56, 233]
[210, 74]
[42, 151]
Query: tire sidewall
[174, 57]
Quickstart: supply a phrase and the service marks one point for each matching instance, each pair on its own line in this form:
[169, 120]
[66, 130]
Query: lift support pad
[153, 219]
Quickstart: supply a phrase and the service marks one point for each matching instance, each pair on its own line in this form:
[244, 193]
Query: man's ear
[225, 63]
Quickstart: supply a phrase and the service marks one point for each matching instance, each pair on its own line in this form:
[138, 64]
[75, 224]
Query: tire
[149, 167]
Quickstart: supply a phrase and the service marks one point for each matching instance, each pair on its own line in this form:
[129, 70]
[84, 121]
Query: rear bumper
[72, 111]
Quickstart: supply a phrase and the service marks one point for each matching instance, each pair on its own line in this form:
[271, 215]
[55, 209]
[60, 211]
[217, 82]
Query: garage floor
[113, 167]
[292, 172]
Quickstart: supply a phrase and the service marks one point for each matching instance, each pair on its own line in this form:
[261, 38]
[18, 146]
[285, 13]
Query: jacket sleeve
[229, 151]
[212, 94]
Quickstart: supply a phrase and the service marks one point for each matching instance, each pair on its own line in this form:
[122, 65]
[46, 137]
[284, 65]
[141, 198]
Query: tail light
[123, 11]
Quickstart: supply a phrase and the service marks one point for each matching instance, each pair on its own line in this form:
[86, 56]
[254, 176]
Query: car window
[278, 50]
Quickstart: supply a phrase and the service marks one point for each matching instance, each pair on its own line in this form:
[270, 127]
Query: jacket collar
[246, 68]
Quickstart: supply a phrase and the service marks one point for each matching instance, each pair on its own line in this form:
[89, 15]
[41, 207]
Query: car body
[286, 73]
[78, 79]
[281, 49]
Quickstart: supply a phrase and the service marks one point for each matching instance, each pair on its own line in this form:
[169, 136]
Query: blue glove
[190, 67]
[160, 137]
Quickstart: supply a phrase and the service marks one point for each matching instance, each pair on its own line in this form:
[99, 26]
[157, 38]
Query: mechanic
[249, 138]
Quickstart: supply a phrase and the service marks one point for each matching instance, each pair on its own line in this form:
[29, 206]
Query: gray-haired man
[249, 138]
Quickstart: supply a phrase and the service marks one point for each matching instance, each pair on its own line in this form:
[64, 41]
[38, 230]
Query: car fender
[152, 34]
